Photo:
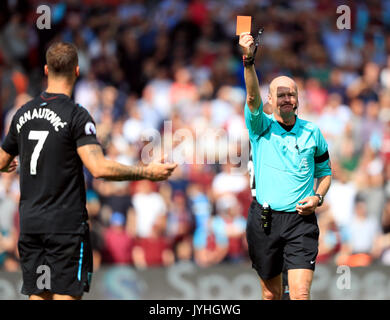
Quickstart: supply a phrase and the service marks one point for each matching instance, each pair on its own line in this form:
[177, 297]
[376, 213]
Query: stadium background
[144, 62]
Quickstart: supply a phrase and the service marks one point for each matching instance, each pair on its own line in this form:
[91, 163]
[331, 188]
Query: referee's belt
[272, 210]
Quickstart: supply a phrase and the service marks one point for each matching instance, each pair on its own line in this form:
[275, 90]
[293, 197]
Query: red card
[243, 24]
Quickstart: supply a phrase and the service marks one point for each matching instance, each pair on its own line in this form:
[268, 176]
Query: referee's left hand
[307, 206]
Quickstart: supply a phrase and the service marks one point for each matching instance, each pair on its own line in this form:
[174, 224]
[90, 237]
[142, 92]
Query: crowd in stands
[171, 71]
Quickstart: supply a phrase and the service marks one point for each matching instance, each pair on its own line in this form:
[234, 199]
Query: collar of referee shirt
[280, 130]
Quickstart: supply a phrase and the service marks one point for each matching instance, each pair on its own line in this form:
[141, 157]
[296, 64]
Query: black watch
[321, 199]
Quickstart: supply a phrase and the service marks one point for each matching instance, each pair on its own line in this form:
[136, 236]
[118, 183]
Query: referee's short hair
[62, 59]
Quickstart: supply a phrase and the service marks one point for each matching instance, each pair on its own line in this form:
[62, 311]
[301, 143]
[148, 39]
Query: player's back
[47, 131]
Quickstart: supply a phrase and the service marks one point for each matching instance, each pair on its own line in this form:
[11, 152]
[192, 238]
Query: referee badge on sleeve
[90, 128]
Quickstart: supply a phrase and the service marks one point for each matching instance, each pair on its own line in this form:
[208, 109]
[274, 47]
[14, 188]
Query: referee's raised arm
[253, 97]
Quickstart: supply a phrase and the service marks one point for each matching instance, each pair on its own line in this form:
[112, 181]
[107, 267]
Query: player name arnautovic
[40, 113]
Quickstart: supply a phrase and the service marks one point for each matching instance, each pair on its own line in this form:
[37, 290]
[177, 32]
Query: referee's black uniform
[46, 133]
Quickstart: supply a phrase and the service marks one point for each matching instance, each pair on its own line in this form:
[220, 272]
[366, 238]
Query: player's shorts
[58, 263]
[292, 240]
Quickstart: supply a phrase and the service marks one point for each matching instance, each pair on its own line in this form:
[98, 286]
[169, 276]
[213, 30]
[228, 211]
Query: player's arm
[8, 162]
[253, 97]
[93, 158]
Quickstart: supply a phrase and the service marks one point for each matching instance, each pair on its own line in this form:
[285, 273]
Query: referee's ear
[270, 97]
[46, 70]
[77, 71]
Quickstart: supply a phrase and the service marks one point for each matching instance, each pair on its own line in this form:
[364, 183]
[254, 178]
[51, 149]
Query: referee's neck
[288, 121]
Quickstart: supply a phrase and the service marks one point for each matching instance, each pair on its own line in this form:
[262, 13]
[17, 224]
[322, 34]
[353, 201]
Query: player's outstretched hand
[11, 167]
[157, 171]
[247, 44]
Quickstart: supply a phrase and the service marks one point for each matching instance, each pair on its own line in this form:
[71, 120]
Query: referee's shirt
[285, 162]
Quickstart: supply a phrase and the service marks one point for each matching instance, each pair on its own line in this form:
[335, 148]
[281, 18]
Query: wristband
[251, 60]
[248, 61]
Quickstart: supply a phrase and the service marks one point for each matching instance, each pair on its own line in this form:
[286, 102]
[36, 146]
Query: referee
[54, 137]
[288, 155]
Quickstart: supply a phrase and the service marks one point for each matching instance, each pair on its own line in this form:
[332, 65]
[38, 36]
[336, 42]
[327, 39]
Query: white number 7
[41, 137]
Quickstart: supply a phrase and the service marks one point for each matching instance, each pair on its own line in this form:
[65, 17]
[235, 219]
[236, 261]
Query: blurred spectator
[168, 13]
[13, 83]
[370, 180]
[228, 182]
[155, 251]
[361, 235]
[336, 84]
[214, 251]
[152, 246]
[316, 95]
[96, 227]
[372, 124]
[150, 210]
[20, 100]
[14, 39]
[367, 86]
[221, 107]
[133, 126]
[385, 75]
[201, 209]
[384, 136]
[118, 244]
[333, 119]
[86, 93]
[335, 41]
[229, 226]
[355, 125]
[201, 174]
[341, 196]
[179, 226]
[383, 244]
[9, 229]
[348, 55]
[148, 112]
[183, 92]
[330, 239]
[160, 88]
[347, 155]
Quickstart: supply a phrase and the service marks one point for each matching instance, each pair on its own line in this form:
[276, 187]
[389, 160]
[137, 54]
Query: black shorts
[59, 263]
[292, 242]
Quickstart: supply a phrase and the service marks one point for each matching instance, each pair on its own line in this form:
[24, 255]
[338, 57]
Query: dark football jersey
[46, 133]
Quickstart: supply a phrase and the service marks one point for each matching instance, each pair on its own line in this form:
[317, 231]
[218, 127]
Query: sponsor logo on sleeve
[90, 128]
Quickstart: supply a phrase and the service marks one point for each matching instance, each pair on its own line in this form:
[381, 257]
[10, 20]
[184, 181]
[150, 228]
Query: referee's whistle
[257, 42]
